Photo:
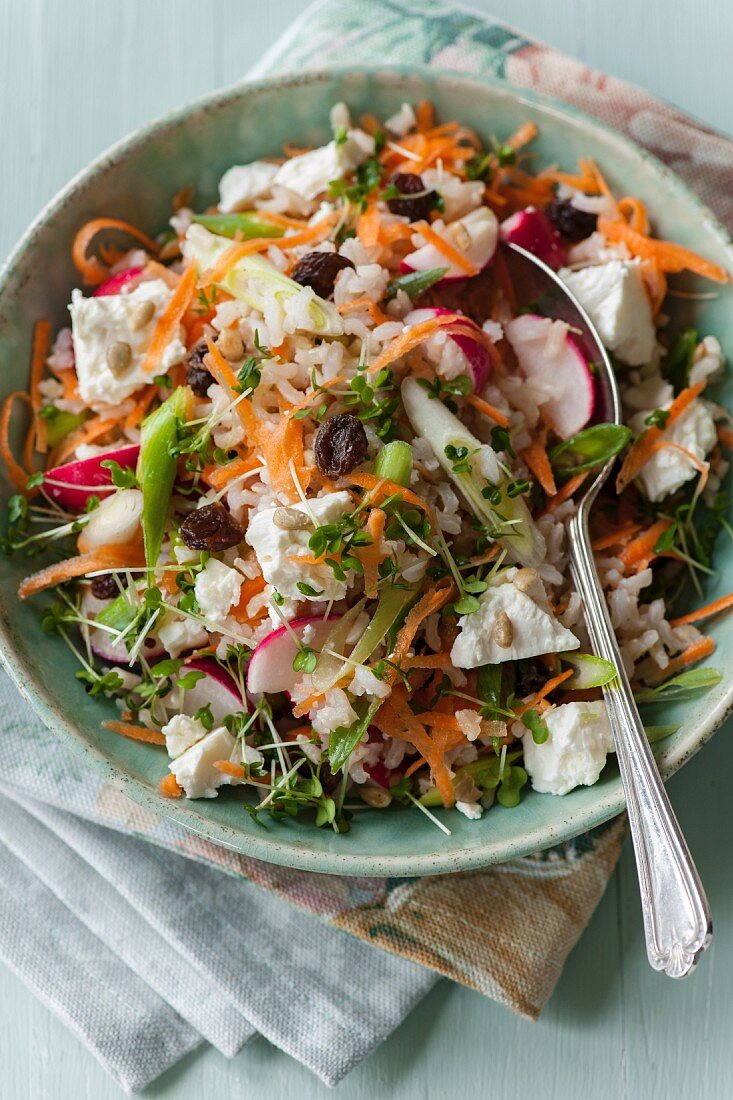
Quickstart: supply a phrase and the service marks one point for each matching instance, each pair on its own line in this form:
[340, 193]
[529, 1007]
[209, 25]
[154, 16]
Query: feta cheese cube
[243, 183]
[217, 588]
[278, 550]
[181, 732]
[616, 301]
[668, 469]
[194, 769]
[178, 634]
[309, 174]
[575, 752]
[403, 121]
[96, 323]
[534, 628]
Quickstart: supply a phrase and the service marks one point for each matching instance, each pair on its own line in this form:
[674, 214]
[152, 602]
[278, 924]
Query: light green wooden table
[74, 76]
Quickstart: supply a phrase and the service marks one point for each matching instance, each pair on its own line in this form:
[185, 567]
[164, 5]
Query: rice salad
[300, 468]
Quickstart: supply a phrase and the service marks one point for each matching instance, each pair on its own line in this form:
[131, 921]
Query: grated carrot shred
[219, 476]
[41, 338]
[453, 323]
[536, 458]
[644, 448]
[107, 557]
[169, 787]
[381, 487]
[451, 253]
[706, 612]
[545, 690]
[18, 476]
[239, 250]
[228, 768]
[640, 551]
[489, 410]
[669, 258]
[565, 492]
[92, 271]
[135, 733]
[690, 656]
[371, 556]
[616, 538]
[169, 320]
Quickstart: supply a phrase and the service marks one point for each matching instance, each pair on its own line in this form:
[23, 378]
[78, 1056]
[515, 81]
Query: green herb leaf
[122, 476]
[590, 448]
[684, 686]
[677, 364]
[536, 726]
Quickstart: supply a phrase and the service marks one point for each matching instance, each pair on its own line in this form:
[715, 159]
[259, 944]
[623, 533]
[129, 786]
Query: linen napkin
[147, 940]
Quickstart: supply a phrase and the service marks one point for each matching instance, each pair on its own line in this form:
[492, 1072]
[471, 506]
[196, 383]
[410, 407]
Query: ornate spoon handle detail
[677, 920]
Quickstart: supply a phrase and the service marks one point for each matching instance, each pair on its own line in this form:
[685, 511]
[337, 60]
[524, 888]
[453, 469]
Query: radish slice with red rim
[532, 230]
[117, 283]
[216, 689]
[475, 353]
[270, 668]
[548, 351]
[72, 484]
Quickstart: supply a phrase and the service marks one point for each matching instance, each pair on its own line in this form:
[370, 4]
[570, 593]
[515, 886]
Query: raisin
[319, 270]
[211, 528]
[341, 444]
[530, 677]
[198, 376]
[571, 223]
[420, 202]
[105, 587]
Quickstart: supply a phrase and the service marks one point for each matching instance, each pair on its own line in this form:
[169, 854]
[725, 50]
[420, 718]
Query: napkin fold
[147, 940]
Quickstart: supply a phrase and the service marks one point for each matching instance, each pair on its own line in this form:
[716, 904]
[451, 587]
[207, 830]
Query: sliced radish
[478, 359]
[271, 666]
[482, 233]
[548, 351]
[114, 522]
[216, 689]
[116, 283]
[532, 229]
[72, 484]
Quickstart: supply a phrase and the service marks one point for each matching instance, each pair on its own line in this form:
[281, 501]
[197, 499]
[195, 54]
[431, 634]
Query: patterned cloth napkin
[147, 940]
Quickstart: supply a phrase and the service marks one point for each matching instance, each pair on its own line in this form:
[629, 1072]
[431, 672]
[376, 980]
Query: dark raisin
[106, 587]
[418, 206]
[211, 528]
[197, 375]
[530, 677]
[319, 270]
[571, 223]
[341, 444]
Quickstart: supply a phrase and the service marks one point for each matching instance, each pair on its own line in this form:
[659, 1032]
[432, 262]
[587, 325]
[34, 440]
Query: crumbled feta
[217, 588]
[471, 810]
[113, 522]
[459, 196]
[242, 184]
[278, 550]
[575, 752]
[97, 323]
[402, 121]
[181, 732]
[194, 769]
[708, 360]
[668, 468]
[535, 630]
[334, 711]
[309, 174]
[365, 682]
[617, 303]
[178, 635]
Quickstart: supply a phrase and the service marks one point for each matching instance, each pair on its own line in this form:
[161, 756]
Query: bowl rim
[294, 852]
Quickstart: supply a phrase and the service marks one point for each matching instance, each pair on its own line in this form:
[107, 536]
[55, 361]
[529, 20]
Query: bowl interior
[136, 181]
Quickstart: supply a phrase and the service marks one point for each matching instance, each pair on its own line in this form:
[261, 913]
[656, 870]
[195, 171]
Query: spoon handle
[677, 919]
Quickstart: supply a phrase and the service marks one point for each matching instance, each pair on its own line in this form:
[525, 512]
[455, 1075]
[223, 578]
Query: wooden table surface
[74, 76]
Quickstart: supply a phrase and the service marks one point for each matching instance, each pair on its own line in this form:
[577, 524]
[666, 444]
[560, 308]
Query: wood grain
[75, 75]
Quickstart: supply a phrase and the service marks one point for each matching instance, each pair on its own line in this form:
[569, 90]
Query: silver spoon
[677, 920]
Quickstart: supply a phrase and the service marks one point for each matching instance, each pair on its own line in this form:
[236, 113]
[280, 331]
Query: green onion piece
[344, 739]
[678, 362]
[684, 686]
[658, 733]
[395, 462]
[589, 448]
[415, 283]
[60, 424]
[329, 668]
[157, 466]
[119, 614]
[488, 689]
[589, 671]
[393, 602]
[248, 224]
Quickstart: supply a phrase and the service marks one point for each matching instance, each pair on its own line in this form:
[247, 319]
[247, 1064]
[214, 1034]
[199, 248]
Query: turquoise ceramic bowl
[135, 180]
